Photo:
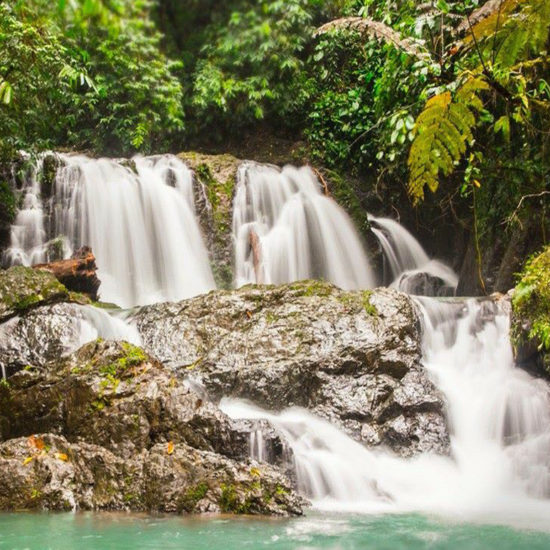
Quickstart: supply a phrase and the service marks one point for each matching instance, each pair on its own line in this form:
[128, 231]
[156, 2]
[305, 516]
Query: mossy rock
[218, 175]
[22, 288]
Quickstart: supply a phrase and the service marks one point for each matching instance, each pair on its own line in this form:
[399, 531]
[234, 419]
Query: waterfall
[285, 229]
[499, 418]
[29, 245]
[410, 268]
[138, 217]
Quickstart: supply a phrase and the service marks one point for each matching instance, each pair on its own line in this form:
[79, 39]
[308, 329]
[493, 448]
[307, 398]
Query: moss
[105, 305]
[312, 288]
[22, 288]
[531, 305]
[191, 497]
[133, 356]
[229, 500]
[79, 298]
[218, 175]
[344, 194]
[370, 309]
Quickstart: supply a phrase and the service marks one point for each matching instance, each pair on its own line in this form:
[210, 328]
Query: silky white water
[285, 229]
[499, 419]
[407, 260]
[141, 226]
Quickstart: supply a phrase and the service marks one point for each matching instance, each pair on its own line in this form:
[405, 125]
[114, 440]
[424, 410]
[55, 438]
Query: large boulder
[353, 358]
[47, 472]
[121, 431]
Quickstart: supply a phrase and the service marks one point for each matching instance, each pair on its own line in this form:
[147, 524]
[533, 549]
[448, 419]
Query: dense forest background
[438, 111]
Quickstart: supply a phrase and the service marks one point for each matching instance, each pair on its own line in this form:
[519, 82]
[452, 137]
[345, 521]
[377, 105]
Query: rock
[22, 288]
[425, 284]
[114, 395]
[43, 334]
[353, 358]
[78, 274]
[121, 431]
[188, 480]
[214, 188]
[46, 472]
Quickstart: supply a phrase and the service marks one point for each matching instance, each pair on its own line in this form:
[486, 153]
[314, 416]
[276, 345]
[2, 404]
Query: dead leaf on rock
[170, 447]
[37, 443]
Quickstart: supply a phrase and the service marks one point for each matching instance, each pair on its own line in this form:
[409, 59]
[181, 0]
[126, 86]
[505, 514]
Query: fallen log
[79, 273]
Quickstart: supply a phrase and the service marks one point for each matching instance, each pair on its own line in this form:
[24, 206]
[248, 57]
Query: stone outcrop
[351, 357]
[214, 188]
[110, 428]
[78, 274]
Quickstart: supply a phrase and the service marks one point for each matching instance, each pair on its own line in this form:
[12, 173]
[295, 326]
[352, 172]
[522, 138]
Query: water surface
[88, 531]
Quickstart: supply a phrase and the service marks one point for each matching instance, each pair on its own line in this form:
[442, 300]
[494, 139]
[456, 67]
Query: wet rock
[22, 288]
[188, 480]
[214, 185]
[78, 274]
[122, 431]
[424, 284]
[114, 395]
[47, 472]
[351, 357]
[41, 335]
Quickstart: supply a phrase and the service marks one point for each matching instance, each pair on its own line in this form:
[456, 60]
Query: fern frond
[443, 132]
[485, 21]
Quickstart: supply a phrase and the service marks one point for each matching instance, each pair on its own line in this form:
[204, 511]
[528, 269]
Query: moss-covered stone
[22, 288]
[531, 312]
[217, 175]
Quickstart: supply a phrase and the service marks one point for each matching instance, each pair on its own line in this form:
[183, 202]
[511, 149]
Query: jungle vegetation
[445, 96]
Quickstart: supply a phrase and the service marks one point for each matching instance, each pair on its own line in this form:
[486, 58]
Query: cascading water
[285, 230]
[140, 223]
[410, 268]
[28, 232]
[499, 417]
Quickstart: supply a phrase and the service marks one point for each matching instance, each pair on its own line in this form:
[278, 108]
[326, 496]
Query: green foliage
[7, 203]
[251, 67]
[86, 73]
[532, 298]
[514, 32]
[136, 103]
[442, 133]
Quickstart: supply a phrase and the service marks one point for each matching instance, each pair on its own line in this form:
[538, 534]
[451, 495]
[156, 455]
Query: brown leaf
[170, 447]
[37, 443]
